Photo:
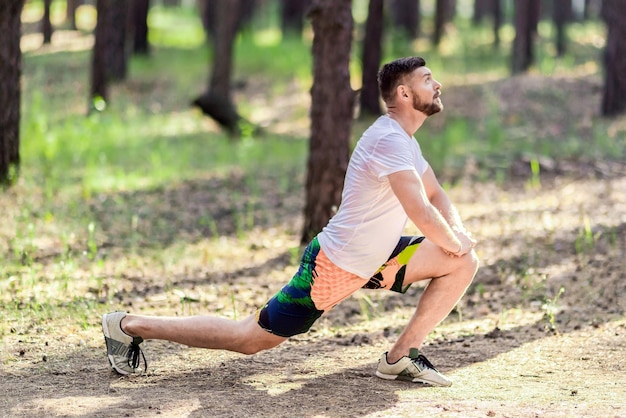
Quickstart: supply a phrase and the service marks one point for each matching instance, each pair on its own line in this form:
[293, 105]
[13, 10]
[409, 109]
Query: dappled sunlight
[62, 41]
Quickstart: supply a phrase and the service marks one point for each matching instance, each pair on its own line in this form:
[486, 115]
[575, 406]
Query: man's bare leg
[451, 277]
[244, 336]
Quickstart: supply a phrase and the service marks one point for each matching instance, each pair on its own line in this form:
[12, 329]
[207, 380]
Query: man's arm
[439, 199]
[413, 195]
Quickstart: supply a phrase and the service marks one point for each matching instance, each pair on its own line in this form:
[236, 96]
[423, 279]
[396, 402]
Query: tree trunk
[217, 102]
[46, 24]
[444, 13]
[99, 63]
[481, 9]
[292, 13]
[118, 58]
[70, 12]
[10, 93]
[561, 14]
[497, 22]
[331, 112]
[614, 94]
[406, 17]
[243, 9]
[109, 51]
[526, 18]
[140, 9]
[372, 45]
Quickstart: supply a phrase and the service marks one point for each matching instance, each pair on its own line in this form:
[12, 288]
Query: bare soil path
[515, 347]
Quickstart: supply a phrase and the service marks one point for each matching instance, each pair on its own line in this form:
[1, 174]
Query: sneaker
[123, 350]
[414, 368]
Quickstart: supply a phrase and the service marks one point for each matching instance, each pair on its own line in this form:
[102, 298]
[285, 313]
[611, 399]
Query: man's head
[393, 74]
[409, 79]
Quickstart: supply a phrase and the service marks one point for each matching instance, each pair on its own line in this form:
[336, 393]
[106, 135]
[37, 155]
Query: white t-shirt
[370, 219]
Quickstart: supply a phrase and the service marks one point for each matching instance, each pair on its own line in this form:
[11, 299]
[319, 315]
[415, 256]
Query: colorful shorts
[319, 285]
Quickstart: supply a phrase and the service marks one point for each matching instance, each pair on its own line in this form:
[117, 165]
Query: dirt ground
[514, 347]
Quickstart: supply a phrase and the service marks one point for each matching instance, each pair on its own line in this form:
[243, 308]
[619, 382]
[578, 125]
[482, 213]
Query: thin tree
[139, 13]
[217, 101]
[614, 94]
[118, 48]
[526, 19]
[70, 12]
[406, 17]
[10, 92]
[444, 13]
[371, 55]
[292, 14]
[99, 62]
[46, 23]
[497, 21]
[332, 103]
[561, 15]
[485, 8]
[109, 57]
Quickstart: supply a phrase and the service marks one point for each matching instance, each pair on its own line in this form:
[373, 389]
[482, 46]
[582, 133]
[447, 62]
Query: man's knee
[470, 264]
[256, 339]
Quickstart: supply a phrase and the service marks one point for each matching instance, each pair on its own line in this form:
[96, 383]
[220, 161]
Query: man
[388, 181]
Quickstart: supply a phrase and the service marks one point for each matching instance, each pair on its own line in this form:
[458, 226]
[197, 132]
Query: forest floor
[540, 333]
[513, 347]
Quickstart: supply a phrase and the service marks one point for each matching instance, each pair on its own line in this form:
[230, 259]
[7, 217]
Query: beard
[435, 106]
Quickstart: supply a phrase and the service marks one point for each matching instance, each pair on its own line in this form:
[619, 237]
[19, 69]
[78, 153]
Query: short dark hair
[392, 74]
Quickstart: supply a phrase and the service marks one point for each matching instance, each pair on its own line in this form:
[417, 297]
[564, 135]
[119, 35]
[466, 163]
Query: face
[426, 92]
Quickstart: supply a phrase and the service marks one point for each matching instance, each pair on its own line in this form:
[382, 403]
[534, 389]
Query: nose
[437, 85]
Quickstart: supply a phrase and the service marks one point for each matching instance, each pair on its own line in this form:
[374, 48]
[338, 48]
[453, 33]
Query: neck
[409, 121]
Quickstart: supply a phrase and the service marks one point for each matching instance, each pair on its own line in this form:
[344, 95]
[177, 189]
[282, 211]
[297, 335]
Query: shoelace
[135, 354]
[422, 363]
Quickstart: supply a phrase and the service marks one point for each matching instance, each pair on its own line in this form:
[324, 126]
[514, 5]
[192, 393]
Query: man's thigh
[428, 262]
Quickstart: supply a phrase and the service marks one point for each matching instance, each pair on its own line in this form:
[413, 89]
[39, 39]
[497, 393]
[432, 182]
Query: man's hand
[467, 243]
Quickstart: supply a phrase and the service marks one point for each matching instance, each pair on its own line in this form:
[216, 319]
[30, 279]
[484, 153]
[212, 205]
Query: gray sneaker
[414, 368]
[123, 350]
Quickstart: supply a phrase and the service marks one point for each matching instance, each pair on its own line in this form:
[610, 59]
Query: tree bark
[140, 9]
[10, 92]
[46, 24]
[407, 17]
[614, 93]
[561, 14]
[118, 51]
[372, 45]
[217, 102]
[526, 19]
[292, 13]
[99, 62]
[70, 12]
[444, 13]
[109, 60]
[331, 112]
[497, 22]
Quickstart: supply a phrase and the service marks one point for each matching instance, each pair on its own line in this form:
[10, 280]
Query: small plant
[551, 308]
[368, 307]
[535, 169]
[92, 245]
[586, 240]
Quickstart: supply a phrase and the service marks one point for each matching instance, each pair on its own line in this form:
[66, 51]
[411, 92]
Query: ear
[402, 91]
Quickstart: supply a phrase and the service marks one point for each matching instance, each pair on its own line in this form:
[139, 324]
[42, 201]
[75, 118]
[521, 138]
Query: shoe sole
[410, 379]
[105, 331]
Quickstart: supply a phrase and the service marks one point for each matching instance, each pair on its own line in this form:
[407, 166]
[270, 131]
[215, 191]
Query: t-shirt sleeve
[394, 153]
